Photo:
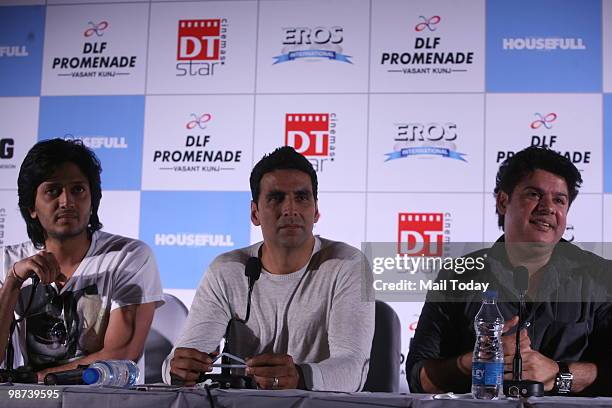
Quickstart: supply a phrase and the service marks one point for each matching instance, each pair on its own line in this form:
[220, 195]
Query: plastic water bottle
[488, 359]
[118, 373]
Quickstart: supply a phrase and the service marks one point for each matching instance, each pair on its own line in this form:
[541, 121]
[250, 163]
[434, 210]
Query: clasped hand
[270, 371]
[536, 366]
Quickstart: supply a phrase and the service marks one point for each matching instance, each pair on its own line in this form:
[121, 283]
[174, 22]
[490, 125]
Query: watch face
[564, 382]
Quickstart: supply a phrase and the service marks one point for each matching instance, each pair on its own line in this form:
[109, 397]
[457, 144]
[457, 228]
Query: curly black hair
[515, 168]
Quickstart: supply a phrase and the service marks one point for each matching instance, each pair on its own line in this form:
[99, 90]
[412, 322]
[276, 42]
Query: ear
[33, 214]
[316, 214]
[255, 214]
[501, 202]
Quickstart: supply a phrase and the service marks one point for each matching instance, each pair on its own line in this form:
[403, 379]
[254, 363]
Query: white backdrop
[402, 107]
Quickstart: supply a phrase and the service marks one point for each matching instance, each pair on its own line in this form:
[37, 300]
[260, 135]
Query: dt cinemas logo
[313, 135]
[426, 140]
[423, 234]
[201, 46]
[200, 150]
[315, 44]
[96, 59]
[542, 133]
[425, 58]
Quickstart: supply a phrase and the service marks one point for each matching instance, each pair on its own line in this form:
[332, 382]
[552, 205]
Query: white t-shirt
[60, 327]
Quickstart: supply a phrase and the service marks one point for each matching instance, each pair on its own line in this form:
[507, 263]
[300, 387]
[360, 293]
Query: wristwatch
[564, 379]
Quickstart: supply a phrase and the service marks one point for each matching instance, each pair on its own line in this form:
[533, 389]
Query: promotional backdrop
[405, 108]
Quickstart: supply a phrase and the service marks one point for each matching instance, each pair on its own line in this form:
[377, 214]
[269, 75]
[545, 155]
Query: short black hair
[282, 158]
[523, 163]
[40, 163]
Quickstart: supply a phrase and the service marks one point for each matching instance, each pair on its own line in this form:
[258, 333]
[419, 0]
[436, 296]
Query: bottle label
[487, 373]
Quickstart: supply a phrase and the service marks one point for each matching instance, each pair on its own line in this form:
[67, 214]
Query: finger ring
[275, 383]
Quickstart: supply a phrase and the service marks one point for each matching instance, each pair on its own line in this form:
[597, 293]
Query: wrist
[14, 280]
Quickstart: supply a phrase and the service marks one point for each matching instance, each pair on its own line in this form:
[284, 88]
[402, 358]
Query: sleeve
[426, 345]
[137, 278]
[207, 320]
[350, 332]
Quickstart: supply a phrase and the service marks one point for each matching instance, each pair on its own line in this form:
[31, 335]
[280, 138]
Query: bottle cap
[490, 294]
[91, 376]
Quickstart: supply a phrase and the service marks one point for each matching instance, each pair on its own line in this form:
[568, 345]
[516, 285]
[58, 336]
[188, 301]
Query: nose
[546, 204]
[289, 207]
[65, 198]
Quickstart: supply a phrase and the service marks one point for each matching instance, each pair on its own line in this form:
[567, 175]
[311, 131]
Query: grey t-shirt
[319, 315]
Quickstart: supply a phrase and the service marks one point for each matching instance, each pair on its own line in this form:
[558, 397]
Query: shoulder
[109, 243]
[232, 262]
[338, 250]
[17, 252]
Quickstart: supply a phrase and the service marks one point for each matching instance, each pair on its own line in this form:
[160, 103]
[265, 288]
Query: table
[106, 397]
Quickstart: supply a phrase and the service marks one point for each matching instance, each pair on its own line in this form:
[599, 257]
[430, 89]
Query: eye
[78, 189]
[52, 191]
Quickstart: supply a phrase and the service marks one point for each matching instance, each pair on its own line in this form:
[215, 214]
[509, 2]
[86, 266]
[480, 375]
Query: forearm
[114, 354]
[584, 373]
[453, 374]
[9, 294]
[340, 373]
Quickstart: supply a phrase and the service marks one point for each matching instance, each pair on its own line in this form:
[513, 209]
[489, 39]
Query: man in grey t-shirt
[310, 325]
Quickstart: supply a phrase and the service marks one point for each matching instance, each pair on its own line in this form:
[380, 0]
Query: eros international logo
[422, 234]
[312, 43]
[425, 140]
[201, 46]
[313, 135]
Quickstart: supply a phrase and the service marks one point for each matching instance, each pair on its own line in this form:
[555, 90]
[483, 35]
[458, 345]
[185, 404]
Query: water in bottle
[118, 373]
[488, 359]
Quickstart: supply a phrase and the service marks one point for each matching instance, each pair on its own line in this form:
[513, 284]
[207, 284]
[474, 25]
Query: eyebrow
[539, 190]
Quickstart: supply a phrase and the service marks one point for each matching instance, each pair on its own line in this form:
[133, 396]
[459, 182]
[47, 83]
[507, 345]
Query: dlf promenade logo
[313, 135]
[97, 58]
[7, 151]
[200, 151]
[542, 133]
[312, 43]
[423, 234]
[201, 46]
[428, 140]
[425, 57]
[543, 44]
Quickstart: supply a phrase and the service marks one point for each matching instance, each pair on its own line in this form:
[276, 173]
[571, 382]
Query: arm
[202, 332]
[44, 265]
[124, 339]
[350, 332]
[429, 368]
[9, 293]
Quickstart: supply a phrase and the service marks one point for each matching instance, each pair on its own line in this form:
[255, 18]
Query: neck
[530, 255]
[282, 260]
[68, 252]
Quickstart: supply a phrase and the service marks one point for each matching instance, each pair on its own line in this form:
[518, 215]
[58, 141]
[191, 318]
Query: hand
[266, 367]
[42, 264]
[535, 365]
[509, 340]
[188, 363]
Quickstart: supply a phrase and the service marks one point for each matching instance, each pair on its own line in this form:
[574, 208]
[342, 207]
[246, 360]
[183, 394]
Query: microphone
[517, 387]
[252, 270]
